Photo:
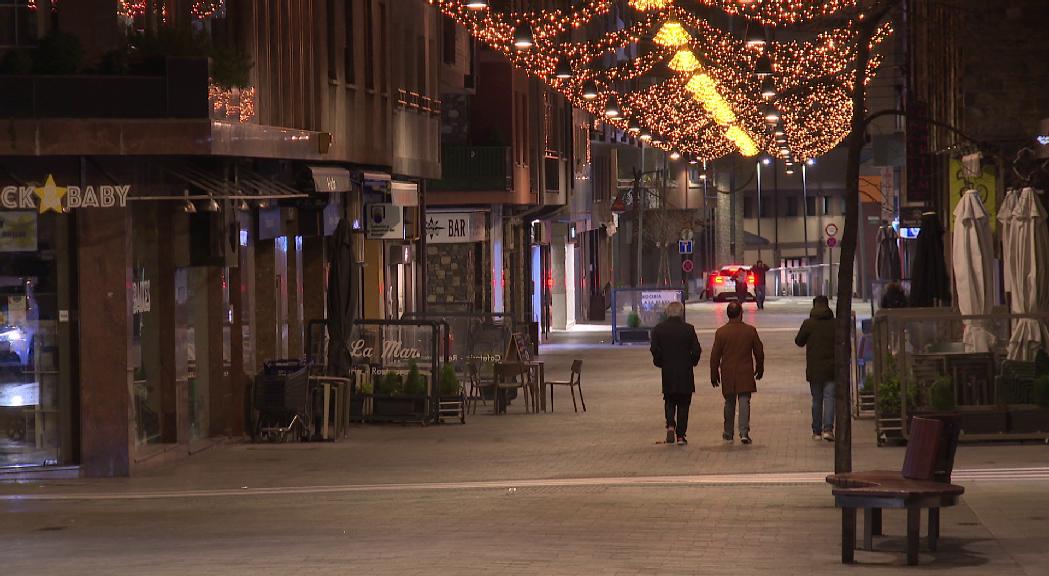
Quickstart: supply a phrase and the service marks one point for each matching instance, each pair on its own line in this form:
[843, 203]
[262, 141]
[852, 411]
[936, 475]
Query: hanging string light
[672, 35]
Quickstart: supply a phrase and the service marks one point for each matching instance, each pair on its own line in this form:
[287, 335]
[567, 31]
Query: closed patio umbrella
[1005, 227]
[930, 285]
[972, 254]
[1029, 252]
[341, 298]
[888, 254]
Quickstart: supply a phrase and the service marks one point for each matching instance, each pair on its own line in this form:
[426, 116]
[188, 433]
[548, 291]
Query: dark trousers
[676, 407]
[759, 296]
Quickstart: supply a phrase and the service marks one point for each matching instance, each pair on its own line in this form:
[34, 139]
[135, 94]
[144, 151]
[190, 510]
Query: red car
[721, 285]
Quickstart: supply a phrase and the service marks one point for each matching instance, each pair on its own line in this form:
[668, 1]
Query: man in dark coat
[817, 337]
[759, 270]
[676, 351]
[737, 362]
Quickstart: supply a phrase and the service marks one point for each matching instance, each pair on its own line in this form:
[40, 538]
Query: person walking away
[759, 270]
[741, 285]
[737, 362]
[817, 337]
[676, 351]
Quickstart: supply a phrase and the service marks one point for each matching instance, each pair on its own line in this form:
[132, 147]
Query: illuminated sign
[54, 198]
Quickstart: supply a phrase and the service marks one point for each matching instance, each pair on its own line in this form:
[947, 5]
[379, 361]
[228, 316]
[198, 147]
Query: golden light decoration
[646, 5]
[684, 61]
[672, 35]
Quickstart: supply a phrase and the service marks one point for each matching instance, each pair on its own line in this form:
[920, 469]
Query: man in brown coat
[737, 362]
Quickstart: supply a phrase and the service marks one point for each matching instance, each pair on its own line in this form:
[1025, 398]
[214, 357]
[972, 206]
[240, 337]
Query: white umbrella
[1029, 249]
[972, 253]
[1005, 227]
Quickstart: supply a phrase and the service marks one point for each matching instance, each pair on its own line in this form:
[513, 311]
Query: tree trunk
[845, 325]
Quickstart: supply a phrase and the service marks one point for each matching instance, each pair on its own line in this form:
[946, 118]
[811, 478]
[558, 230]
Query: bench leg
[934, 529]
[876, 521]
[868, 527]
[914, 523]
[848, 535]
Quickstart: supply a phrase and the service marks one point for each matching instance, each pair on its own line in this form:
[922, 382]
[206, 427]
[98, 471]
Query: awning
[331, 179]
[249, 185]
[404, 193]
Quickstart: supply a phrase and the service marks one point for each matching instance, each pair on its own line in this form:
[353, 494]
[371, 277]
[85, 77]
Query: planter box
[1029, 421]
[360, 407]
[984, 422]
[632, 335]
[452, 407]
[398, 408]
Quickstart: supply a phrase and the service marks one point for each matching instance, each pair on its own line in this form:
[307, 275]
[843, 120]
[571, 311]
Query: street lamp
[563, 70]
[477, 4]
[523, 38]
[590, 90]
[612, 107]
[755, 36]
[768, 88]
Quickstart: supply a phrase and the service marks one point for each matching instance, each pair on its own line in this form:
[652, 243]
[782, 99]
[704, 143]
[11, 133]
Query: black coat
[817, 336]
[675, 349]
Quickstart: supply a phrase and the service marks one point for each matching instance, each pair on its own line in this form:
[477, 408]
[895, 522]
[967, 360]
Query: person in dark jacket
[759, 270]
[676, 351]
[817, 337]
[737, 362]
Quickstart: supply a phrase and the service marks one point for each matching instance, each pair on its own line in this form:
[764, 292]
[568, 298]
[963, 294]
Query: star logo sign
[50, 196]
[433, 228]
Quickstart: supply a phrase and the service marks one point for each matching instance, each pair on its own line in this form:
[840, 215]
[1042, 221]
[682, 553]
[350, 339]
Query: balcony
[475, 169]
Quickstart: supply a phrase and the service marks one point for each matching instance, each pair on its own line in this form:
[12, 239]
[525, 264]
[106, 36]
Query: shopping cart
[281, 401]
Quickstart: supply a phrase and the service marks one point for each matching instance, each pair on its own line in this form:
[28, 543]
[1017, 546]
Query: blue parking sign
[684, 246]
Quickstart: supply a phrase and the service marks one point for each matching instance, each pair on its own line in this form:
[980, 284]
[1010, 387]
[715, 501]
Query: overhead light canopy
[612, 109]
[672, 35]
[523, 38]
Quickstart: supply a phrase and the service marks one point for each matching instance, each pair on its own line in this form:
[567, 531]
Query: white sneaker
[817, 437]
[828, 436]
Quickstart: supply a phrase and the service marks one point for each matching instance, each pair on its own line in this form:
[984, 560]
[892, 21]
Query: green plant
[366, 386]
[414, 383]
[449, 383]
[941, 395]
[58, 53]
[230, 68]
[633, 320]
[390, 385]
[1040, 391]
[888, 402]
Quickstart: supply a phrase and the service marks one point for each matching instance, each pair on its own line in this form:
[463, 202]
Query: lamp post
[805, 222]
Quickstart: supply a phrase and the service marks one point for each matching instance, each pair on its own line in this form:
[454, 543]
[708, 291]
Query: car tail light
[750, 279]
[719, 280]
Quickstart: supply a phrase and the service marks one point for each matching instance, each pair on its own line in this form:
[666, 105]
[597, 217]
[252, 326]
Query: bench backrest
[923, 449]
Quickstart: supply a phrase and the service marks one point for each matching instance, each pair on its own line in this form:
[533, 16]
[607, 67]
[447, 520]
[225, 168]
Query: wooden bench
[924, 482]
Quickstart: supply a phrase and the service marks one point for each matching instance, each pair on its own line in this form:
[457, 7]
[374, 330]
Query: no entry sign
[687, 266]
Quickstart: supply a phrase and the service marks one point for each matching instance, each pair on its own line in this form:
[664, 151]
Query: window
[383, 86]
[333, 74]
[792, 206]
[349, 64]
[17, 23]
[369, 46]
[766, 207]
[810, 205]
[825, 209]
[844, 206]
[748, 207]
[420, 65]
[448, 46]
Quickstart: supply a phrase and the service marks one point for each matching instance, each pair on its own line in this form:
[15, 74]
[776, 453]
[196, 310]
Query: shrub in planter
[449, 383]
[1037, 420]
[390, 385]
[633, 320]
[889, 403]
[414, 384]
[942, 395]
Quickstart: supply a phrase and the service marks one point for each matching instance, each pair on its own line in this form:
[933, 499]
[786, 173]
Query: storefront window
[146, 348]
[29, 343]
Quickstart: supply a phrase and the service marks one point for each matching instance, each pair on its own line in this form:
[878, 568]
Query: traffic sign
[687, 266]
[831, 229]
[684, 246]
[618, 205]
[832, 242]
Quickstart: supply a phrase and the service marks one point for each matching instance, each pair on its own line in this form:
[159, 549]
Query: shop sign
[391, 350]
[54, 198]
[385, 222]
[455, 227]
[140, 300]
[17, 232]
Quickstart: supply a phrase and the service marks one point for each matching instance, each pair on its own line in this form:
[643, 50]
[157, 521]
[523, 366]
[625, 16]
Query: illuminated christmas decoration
[808, 81]
[672, 35]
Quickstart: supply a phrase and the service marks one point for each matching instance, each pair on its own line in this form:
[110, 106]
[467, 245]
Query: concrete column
[558, 307]
[295, 291]
[104, 251]
[265, 303]
[314, 284]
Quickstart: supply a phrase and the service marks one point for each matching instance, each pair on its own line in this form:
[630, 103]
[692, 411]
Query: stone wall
[450, 275]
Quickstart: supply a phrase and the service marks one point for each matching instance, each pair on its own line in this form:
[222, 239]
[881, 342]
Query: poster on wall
[17, 231]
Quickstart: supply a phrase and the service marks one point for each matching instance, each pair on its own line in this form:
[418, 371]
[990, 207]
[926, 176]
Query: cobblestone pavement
[553, 493]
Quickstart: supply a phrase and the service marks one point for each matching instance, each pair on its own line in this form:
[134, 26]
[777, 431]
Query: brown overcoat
[737, 355]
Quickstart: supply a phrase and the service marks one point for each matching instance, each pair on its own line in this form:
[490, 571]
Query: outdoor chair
[512, 376]
[574, 381]
[478, 386]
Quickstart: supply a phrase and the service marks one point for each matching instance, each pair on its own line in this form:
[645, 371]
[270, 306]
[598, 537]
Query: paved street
[560, 493]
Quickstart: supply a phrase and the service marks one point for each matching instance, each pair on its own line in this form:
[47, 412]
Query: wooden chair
[924, 482]
[477, 386]
[511, 376]
[574, 381]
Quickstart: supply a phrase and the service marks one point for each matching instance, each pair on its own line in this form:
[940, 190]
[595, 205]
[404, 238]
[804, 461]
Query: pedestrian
[736, 364]
[759, 270]
[894, 296]
[741, 285]
[676, 351]
[817, 337]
